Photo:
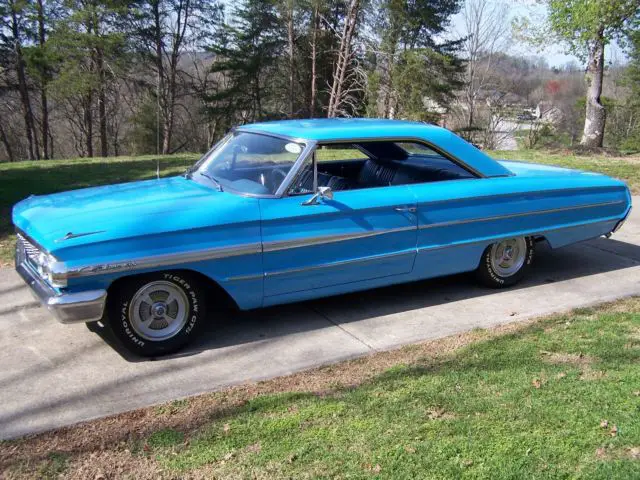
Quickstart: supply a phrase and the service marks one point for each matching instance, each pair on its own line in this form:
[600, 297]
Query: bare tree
[486, 32]
[344, 69]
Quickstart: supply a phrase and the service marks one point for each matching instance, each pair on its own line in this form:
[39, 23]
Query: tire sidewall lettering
[502, 280]
[194, 311]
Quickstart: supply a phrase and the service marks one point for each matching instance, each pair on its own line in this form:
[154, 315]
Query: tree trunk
[290, 40]
[44, 79]
[32, 141]
[314, 74]
[344, 58]
[102, 107]
[160, 67]
[595, 118]
[88, 123]
[7, 145]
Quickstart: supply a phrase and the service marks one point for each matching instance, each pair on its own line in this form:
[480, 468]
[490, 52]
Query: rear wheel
[157, 313]
[506, 262]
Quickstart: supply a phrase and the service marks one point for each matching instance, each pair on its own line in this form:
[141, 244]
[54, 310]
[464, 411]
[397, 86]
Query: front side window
[250, 163]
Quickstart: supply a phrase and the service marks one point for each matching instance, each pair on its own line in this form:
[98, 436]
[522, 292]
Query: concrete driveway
[53, 375]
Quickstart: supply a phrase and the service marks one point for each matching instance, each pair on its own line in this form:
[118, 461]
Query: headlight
[51, 270]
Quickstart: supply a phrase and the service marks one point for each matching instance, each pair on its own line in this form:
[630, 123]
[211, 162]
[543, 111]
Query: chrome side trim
[515, 215]
[156, 261]
[277, 245]
[245, 278]
[494, 239]
[339, 263]
[513, 194]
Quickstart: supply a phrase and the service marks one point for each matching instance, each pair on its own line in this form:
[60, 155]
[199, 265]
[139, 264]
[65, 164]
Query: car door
[358, 235]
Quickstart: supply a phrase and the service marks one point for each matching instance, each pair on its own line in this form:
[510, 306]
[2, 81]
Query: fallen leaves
[536, 383]
[613, 431]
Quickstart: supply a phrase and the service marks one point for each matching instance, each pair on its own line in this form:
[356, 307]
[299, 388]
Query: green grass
[624, 168]
[21, 179]
[524, 405]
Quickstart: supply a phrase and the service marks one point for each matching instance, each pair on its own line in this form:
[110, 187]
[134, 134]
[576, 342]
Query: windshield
[250, 163]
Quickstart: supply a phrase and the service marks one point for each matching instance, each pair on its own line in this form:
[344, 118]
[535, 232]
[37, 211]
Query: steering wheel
[276, 178]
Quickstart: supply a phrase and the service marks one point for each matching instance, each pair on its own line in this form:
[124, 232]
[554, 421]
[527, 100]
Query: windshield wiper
[213, 179]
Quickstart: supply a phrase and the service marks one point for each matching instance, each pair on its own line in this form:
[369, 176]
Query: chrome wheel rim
[508, 256]
[158, 311]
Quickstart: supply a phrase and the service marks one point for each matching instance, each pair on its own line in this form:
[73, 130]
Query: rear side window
[416, 149]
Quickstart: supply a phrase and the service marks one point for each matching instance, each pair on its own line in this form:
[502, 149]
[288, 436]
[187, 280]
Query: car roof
[352, 129]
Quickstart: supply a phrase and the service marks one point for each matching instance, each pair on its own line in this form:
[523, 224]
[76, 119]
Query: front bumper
[66, 307]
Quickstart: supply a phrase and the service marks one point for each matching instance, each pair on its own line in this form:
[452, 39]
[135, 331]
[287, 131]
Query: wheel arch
[214, 289]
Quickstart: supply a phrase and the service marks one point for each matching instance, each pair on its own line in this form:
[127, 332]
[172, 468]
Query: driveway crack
[328, 319]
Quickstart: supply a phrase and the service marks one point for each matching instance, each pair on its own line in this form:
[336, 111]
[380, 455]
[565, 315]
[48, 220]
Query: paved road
[53, 375]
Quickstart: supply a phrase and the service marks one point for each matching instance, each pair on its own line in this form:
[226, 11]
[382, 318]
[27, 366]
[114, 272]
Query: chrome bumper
[66, 307]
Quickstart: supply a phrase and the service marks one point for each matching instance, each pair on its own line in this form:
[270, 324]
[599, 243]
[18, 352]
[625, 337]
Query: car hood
[127, 210]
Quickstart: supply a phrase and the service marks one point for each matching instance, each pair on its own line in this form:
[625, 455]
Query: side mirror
[323, 192]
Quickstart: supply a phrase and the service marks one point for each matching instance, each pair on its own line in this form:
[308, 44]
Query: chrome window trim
[515, 215]
[277, 245]
[422, 141]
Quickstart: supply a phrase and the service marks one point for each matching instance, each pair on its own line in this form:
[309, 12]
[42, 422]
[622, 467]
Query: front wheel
[506, 262]
[156, 313]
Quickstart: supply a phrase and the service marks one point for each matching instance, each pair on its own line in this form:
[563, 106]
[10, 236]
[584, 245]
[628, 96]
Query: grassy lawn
[21, 179]
[554, 398]
[624, 168]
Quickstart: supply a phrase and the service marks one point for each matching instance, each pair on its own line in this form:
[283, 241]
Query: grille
[30, 251]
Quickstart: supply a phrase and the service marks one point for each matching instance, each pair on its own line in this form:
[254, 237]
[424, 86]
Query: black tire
[490, 277]
[123, 303]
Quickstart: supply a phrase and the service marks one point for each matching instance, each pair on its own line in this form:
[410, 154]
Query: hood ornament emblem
[71, 235]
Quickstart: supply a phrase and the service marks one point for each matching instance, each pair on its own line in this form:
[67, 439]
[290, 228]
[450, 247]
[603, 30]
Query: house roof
[350, 129]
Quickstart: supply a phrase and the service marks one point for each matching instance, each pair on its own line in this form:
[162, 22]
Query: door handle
[406, 209]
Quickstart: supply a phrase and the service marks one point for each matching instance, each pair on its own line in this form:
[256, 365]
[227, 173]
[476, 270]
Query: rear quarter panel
[458, 219]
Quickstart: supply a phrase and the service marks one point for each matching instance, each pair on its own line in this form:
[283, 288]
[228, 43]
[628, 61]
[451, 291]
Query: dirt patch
[559, 358]
[583, 362]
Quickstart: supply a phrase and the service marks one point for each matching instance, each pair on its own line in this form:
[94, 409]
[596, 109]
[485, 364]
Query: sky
[555, 54]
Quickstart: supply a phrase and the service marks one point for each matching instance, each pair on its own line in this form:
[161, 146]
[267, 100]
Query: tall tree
[485, 33]
[246, 50]
[586, 27]
[167, 29]
[345, 73]
[13, 35]
[412, 64]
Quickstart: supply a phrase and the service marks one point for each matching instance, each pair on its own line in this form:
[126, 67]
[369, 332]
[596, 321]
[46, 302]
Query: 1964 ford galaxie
[285, 211]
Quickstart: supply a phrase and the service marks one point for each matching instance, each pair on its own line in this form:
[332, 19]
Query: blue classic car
[286, 211]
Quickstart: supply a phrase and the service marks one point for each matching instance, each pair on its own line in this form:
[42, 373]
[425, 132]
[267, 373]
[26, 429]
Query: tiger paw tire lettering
[157, 313]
